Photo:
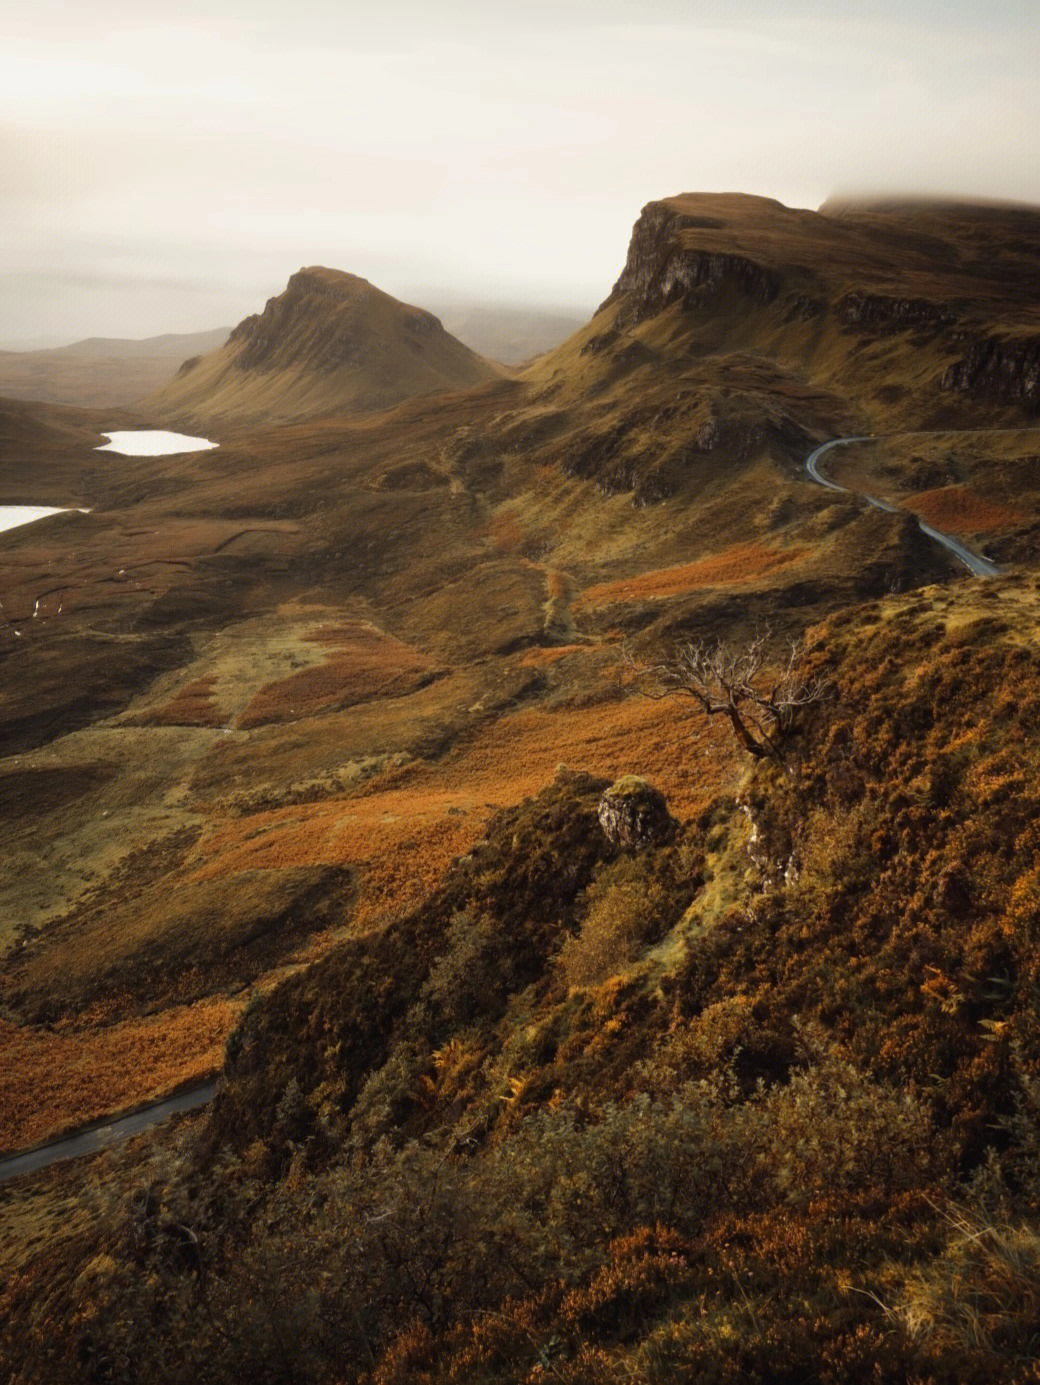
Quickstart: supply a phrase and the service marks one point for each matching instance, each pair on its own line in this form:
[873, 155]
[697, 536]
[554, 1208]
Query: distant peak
[331, 283]
[329, 342]
[332, 278]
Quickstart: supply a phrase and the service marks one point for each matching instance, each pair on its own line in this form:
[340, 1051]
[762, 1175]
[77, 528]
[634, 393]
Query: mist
[166, 170]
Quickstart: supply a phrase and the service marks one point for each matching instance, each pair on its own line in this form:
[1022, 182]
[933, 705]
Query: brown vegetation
[55, 1079]
[959, 510]
[192, 705]
[746, 562]
[402, 830]
[364, 664]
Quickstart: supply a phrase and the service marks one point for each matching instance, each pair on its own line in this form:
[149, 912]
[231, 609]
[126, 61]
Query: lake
[12, 516]
[153, 442]
[143, 442]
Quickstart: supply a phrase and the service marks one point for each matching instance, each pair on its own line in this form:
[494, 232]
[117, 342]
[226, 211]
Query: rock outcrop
[1005, 371]
[880, 313]
[660, 270]
[634, 815]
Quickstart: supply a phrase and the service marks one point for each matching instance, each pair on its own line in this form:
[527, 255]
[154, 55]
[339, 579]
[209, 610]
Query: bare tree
[760, 698]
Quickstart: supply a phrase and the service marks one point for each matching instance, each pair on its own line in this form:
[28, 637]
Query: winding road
[981, 567]
[100, 1134]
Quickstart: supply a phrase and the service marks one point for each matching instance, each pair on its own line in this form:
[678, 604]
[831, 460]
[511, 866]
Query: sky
[166, 167]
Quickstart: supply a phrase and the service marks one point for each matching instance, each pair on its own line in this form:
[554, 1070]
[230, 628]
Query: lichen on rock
[634, 815]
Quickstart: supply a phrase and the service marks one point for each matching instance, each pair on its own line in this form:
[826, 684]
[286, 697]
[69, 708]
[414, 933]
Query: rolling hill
[512, 333]
[101, 371]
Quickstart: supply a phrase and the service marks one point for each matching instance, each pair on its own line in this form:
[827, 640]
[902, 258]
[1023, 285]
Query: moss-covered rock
[634, 815]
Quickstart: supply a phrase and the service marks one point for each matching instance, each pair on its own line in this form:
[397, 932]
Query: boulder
[634, 815]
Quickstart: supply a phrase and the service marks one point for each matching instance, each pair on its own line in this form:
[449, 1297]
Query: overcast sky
[167, 166]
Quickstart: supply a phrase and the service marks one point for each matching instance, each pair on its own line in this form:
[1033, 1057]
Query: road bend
[974, 562]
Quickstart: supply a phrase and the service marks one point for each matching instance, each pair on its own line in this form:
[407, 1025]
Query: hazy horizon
[167, 171]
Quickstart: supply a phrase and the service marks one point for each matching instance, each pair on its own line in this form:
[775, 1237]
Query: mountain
[331, 343]
[100, 372]
[914, 312]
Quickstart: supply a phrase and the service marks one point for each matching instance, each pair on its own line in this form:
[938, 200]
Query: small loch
[140, 442]
[153, 442]
[14, 516]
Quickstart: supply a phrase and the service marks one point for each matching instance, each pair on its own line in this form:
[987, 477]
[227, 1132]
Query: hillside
[755, 1098]
[101, 371]
[331, 343]
[915, 314]
[306, 739]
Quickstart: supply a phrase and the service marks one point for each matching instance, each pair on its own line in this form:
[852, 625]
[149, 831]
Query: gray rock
[634, 815]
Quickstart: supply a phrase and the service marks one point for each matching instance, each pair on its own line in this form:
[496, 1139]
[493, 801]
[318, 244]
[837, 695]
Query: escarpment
[868, 303]
[660, 270]
[1004, 371]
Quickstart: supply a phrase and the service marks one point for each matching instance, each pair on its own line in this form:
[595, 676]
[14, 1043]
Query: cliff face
[659, 270]
[881, 313]
[1003, 371]
[868, 303]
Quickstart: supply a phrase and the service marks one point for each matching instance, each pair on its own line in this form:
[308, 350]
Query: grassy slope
[658, 1114]
[331, 343]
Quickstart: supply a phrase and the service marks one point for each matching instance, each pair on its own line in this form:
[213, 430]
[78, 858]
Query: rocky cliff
[1005, 371]
[660, 270]
[868, 302]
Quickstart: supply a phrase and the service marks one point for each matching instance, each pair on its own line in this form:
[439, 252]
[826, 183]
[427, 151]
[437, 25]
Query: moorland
[306, 739]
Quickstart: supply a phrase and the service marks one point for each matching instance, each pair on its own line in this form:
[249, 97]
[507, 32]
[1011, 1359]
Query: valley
[305, 736]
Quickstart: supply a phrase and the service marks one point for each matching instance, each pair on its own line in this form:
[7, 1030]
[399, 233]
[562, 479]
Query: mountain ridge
[101, 371]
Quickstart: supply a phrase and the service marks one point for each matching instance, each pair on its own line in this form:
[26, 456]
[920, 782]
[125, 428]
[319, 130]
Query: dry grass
[54, 1080]
[403, 829]
[543, 656]
[981, 1290]
[365, 664]
[744, 562]
[193, 705]
[505, 532]
[964, 511]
